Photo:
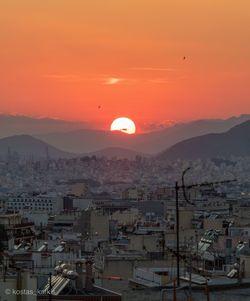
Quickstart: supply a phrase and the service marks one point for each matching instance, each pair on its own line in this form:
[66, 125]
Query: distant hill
[11, 125]
[235, 142]
[86, 141]
[75, 137]
[26, 146]
[89, 141]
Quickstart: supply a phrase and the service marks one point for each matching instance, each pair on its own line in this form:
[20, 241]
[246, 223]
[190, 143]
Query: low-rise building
[40, 202]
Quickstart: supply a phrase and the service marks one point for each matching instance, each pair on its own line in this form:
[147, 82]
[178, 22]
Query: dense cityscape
[107, 227]
[124, 150]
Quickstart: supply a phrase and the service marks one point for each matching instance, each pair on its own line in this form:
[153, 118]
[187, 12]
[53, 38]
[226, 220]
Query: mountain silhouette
[11, 125]
[25, 146]
[86, 140]
[235, 142]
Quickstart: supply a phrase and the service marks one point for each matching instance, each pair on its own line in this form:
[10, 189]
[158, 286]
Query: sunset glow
[148, 59]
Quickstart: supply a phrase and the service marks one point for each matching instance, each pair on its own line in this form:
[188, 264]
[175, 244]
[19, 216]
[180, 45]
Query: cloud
[157, 126]
[105, 79]
[112, 81]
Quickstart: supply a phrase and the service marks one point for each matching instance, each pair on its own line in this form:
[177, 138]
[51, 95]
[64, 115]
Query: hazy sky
[96, 60]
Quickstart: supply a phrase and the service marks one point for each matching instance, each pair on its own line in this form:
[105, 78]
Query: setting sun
[123, 124]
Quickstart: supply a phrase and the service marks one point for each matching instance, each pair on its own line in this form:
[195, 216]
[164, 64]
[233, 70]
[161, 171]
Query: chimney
[89, 276]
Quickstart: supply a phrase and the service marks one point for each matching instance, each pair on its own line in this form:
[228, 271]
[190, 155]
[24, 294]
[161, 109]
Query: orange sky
[64, 58]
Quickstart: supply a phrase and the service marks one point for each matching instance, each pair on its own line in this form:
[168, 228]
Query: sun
[123, 124]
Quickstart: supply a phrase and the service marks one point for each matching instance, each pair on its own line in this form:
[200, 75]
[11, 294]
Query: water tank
[64, 272]
[72, 275]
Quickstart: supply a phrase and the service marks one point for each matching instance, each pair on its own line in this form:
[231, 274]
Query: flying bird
[184, 58]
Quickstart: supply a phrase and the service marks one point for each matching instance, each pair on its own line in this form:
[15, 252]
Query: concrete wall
[215, 224]
[185, 219]
[124, 268]
[149, 243]
[93, 224]
[99, 225]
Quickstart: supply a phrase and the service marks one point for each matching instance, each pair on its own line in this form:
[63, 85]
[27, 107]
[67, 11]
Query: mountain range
[197, 139]
[28, 147]
[11, 125]
[235, 142]
[85, 141]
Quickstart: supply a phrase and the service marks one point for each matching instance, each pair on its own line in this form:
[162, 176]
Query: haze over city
[125, 150]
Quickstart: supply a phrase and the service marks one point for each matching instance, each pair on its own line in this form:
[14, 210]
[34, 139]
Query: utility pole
[184, 189]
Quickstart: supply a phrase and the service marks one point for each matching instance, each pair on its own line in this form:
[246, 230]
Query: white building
[45, 203]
